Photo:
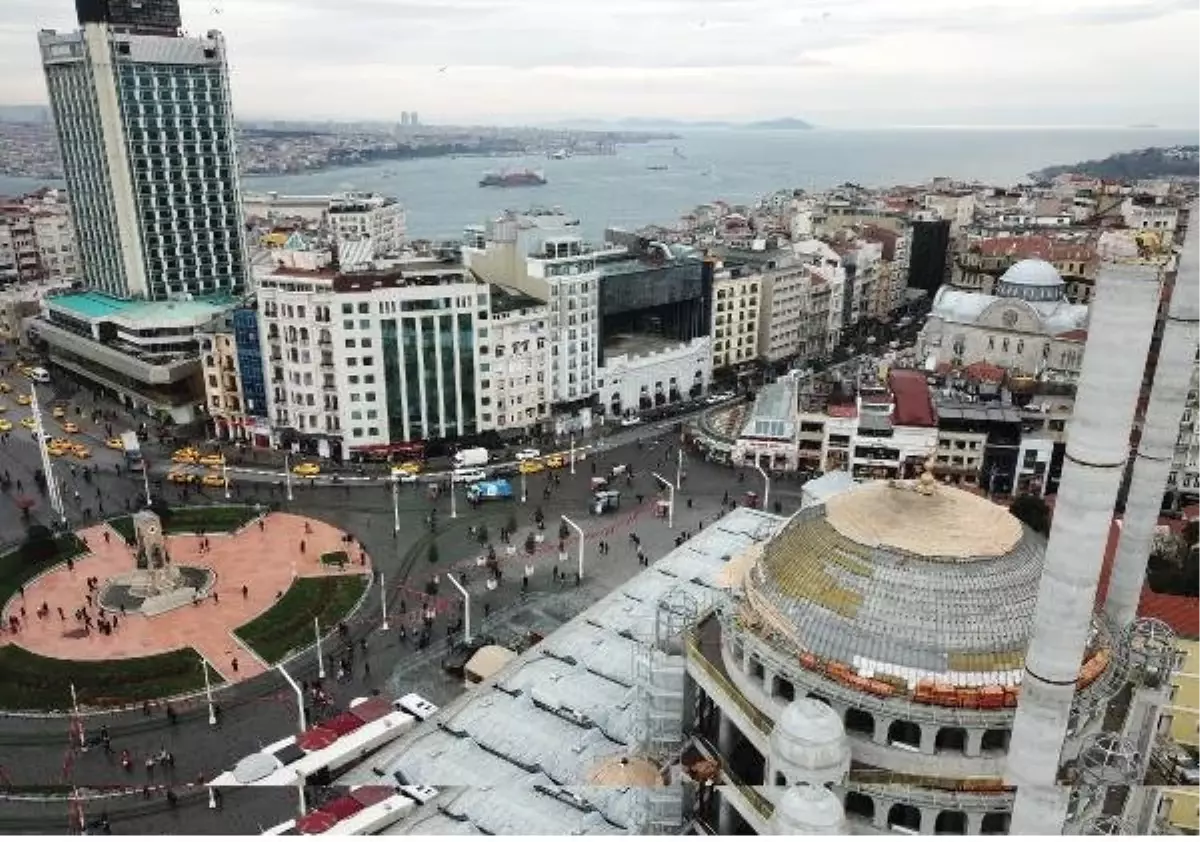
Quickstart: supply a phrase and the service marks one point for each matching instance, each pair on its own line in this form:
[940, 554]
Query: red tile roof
[1044, 248]
[841, 410]
[1076, 335]
[1182, 613]
[984, 372]
[914, 406]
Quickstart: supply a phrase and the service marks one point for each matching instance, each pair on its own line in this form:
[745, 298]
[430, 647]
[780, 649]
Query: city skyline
[850, 65]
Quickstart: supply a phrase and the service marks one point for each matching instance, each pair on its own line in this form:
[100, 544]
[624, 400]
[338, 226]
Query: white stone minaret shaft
[1120, 326]
[1160, 430]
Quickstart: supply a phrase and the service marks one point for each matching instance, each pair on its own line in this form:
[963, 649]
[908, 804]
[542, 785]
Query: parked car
[528, 453]
[631, 421]
[462, 475]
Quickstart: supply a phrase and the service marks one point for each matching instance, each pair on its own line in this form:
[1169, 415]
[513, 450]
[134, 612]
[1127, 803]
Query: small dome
[808, 743]
[1032, 273]
[806, 810]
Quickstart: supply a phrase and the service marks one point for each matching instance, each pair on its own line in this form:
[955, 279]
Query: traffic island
[32, 682]
[176, 597]
[288, 626]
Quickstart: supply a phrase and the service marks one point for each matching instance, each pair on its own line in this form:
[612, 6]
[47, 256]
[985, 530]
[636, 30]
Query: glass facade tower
[145, 125]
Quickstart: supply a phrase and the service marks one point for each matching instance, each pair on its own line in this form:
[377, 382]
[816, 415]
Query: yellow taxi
[28, 423]
[213, 480]
[81, 451]
[57, 442]
[409, 467]
[24, 400]
[307, 469]
[70, 427]
[60, 412]
[212, 460]
[115, 444]
[187, 455]
[556, 460]
[531, 466]
[181, 477]
[3, 407]
[5, 426]
[57, 449]
[4, 388]
[25, 369]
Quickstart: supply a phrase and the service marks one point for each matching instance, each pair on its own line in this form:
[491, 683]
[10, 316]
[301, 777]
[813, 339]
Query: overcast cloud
[834, 62]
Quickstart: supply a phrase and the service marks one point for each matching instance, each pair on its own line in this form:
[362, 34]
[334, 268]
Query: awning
[318, 821]
[344, 807]
[343, 724]
[488, 661]
[317, 738]
[369, 795]
[371, 709]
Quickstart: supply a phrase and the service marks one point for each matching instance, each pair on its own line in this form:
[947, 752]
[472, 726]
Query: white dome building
[807, 810]
[1027, 326]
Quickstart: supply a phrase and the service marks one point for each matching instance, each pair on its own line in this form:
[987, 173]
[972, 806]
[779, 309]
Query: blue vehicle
[497, 489]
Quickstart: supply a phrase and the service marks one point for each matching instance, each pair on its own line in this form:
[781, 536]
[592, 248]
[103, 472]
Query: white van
[39, 375]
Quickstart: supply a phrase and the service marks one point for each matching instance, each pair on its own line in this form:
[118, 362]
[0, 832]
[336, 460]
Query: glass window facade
[250, 361]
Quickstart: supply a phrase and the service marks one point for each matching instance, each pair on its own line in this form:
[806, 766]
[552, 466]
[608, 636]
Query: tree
[39, 544]
[432, 555]
[1032, 511]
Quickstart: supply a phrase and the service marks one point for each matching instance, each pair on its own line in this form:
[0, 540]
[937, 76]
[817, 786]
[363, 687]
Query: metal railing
[757, 718]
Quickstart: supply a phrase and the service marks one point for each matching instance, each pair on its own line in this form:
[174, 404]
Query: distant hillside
[1152, 162]
[24, 113]
[789, 123]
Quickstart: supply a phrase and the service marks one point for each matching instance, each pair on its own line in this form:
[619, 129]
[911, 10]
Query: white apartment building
[1185, 468]
[37, 242]
[781, 321]
[735, 317]
[542, 254]
[514, 389]
[379, 220]
[826, 306]
[368, 360]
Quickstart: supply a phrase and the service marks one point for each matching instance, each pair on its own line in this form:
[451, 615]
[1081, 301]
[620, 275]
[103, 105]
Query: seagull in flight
[442, 69]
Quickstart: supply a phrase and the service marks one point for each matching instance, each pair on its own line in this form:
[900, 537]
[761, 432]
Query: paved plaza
[263, 558]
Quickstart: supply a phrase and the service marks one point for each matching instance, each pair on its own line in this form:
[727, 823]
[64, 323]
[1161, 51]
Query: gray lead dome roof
[1031, 280]
[886, 579]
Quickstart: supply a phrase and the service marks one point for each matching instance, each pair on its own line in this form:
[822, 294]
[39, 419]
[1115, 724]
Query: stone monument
[156, 584]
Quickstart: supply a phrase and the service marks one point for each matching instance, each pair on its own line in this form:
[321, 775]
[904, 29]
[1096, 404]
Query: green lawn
[34, 682]
[211, 519]
[288, 626]
[16, 569]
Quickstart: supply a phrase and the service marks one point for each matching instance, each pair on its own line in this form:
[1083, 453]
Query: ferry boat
[525, 178]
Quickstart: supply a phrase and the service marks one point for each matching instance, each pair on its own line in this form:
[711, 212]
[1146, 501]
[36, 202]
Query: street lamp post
[146, 480]
[524, 490]
[572, 454]
[395, 505]
[320, 657]
[679, 468]
[78, 718]
[39, 432]
[383, 601]
[453, 504]
[466, 606]
[212, 711]
[299, 697]
[671, 504]
[287, 475]
[766, 484]
[579, 532]
[225, 477]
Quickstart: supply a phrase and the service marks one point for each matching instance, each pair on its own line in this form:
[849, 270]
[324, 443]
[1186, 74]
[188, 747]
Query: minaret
[1119, 331]
[1156, 449]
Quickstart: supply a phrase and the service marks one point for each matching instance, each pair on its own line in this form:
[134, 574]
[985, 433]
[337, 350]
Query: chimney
[1160, 429]
[1120, 326]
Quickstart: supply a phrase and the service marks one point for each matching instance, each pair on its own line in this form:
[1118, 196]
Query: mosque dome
[806, 810]
[1031, 280]
[808, 743]
[892, 587]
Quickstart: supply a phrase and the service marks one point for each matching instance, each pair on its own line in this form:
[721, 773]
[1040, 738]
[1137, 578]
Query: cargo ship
[526, 178]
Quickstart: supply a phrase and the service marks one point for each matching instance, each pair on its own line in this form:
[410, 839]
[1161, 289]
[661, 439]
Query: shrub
[337, 558]
[1032, 511]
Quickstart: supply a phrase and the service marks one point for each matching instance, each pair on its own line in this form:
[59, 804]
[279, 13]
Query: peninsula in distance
[1151, 162]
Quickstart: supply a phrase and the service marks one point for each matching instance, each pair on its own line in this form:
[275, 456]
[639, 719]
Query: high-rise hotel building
[145, 125]
[145, 128]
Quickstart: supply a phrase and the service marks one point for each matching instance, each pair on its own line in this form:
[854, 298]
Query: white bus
[39, 375]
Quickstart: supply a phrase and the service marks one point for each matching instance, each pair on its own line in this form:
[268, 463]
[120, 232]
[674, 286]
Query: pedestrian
[234, 664]
[366, 668]
[262, 525]
[245, 592]
[302, 547]
[216, 598]
[106, 536]
[61, 615]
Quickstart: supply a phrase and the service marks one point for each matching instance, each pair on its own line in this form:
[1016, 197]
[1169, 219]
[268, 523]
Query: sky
[837, 63]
